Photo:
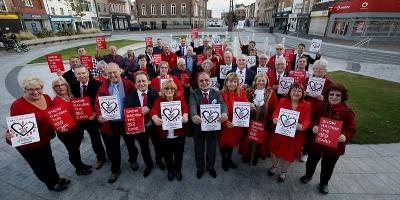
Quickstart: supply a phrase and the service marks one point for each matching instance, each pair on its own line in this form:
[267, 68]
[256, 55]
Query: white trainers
[304, 158]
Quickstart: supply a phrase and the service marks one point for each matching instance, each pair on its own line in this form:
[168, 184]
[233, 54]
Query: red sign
[134, 120]
[299, 76]
[185, 78]
[256, 132]
[200, 58]
[101, 42]
[88, 61]
[61, 120]
[149, 41]
[328, 132]
[82, 108]
[355, 6]
[288, 54]
[195, 33]
[157, 59]
[55, 62]
[218, 49]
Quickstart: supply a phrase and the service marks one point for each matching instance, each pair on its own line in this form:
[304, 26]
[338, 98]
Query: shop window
[153, 25]
[162, 9]
[175, 22]
[340, 26]
[153, 9]
[62, 11]
[358, 28]
[3, 7]
[28, 3]
[173, 9]
[53, 11]
[186, 23]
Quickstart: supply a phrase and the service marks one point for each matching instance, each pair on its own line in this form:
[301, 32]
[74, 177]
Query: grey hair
[206, 62]
[32, 81]
[101, 63]
[181, 61]
[281, 59]
[321, 63]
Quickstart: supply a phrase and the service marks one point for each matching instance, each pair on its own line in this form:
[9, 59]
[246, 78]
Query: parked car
[135, 27]
[147, 27]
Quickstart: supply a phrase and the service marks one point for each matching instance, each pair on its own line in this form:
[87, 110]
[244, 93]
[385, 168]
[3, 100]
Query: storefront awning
[355, 6]
[8, 16]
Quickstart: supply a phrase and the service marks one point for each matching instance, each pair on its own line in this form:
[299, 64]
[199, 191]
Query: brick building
[172, 13]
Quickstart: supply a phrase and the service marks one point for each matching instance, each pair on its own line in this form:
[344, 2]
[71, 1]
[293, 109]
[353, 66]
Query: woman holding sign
[231, 135]
[164, 76]
[292, 117]
[71, 138]
[334, 128]
[38, 154]
[172, 140]
[263, 103]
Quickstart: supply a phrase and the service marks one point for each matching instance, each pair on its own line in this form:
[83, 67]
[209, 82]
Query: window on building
[53, 11]
[144, 9]
[196, 11]
[3, 7]
[104, 7]
[186, 23]
[28, 3]
[153, 9]
[62, 11]
[173, 9]
[162, 9]
[183, 9]
[175, 22]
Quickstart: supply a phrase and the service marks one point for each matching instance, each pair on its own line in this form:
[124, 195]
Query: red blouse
[155, 83]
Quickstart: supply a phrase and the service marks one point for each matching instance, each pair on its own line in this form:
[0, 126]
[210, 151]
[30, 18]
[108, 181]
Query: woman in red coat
[206, 66]
[333, 107]
[173, 140]
[164, 70]
[70, 138]
[263, 103]
[285, 149]
[38, 155]
[230, 136]
[215, 59]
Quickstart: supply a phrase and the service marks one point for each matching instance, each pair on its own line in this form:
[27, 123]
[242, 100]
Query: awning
[8, 16]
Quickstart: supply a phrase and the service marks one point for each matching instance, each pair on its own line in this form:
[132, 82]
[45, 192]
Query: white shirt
[297, 58]
[140, 96]
[171, 134]
[241, 75]
[279, 76]
[80, 84]
[276, 57]
[259, 97]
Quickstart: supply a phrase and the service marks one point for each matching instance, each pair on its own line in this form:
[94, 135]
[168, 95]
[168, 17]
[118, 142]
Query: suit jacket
[195, 102]
[179, 53]
[194, 65]
[132, 99]
[69, 76]
[198, 50]
[149, 70]
[249, 75]
[91, 91]
[157, 50]
[310, 60]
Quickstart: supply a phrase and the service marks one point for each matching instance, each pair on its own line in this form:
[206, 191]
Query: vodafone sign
[353, 6]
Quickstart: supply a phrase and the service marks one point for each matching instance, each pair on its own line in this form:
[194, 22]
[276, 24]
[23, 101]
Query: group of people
[137, 81]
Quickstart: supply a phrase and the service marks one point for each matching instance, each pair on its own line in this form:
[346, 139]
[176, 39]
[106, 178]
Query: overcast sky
[218, 6]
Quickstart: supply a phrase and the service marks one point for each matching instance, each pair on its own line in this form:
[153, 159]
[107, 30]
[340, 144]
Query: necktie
[204, 100]
[115, 91]
[84, 87]
[241, 72]
[146, 117]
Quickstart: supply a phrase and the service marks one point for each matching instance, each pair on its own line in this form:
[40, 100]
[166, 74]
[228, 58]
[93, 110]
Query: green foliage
[66, 32]
[45, 33]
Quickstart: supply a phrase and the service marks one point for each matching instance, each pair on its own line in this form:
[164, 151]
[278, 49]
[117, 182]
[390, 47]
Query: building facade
[104, 16]
[120, 14]
[241, 12]
[33, 15]
[84, 12]
[282, 15]
[9, 19]
[270, 11]
[172, 13]
[60, 15]
[319, 18]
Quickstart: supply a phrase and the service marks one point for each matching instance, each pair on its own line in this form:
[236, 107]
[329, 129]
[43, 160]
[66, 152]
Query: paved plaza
[364, 172]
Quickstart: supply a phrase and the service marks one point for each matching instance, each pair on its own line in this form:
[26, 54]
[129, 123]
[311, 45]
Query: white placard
[210, 113]
[24, 129]
[162, 80]
[315, 86]
[262, 70]
[315, 45]
[240, 25]
[287, 122]
[241, 114]
[251, 61]
[216, 39]
[242, 79]
[284, 84]
[171, 115]
[174, 45]
[214, 83]
[223, 71]
[109, 107]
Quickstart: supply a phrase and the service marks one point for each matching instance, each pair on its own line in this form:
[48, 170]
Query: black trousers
[118, 130]
[226, 153]
[92, 127]
[156, 140]
[72, 142]
[327, 165]
[205, 141]
[173, 153]
[42, 163]
[306, 145]
[143, 140]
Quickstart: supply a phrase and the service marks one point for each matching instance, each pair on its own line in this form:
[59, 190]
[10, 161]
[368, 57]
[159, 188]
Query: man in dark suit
[182, 48]
[300, 53]
[200, 49]
[205, 140]
[146, 67]
[149, 54]
[87, 87]
[112, 57]
[159, 48]
[69, 75]
[262, 64]
[246, 76]
[228, 58]
[144, 96]
[191, 61]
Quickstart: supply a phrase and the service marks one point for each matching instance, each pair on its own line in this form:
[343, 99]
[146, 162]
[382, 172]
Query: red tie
[147, 116]
[84, 90]
[204, 100]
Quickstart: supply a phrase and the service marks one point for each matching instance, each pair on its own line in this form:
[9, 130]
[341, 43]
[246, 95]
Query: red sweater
[171, 58]
[155, 83]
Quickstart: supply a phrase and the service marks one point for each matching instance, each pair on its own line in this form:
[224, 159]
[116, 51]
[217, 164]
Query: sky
[218, 6]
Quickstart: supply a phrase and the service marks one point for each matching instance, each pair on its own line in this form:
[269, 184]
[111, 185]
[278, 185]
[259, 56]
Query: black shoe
[114, 177]
[171, 176]
[147, 172]
[64, 181]
[83, 171]
[199, 174]
[245, 159]
[213, 173]
[160, 165]
[323, 189]
[58, 187]
[271, 171]
[282, 177]
[179, 176]
[99, 164]
[305, 179]
[86, 166]
[134, 166]
[225, 166]
[232, 165]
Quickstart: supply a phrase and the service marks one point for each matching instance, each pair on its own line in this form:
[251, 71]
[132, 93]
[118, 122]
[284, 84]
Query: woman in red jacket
[70, 138]
[164, 70]
[38, 155]
[263, 103]
[173, 140]
[230, 136]
[285, 149]
[333, 107]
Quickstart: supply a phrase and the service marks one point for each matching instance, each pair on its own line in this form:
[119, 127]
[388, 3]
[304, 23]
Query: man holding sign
[205, 141]
[300, 53]
[246, 76]
[118, 88]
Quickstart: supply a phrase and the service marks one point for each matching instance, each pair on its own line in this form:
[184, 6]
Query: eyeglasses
[278, 48]
[204, 80]
[169, 88]
[34, 89]
[335, 94]
[58, 86]
[263, 58]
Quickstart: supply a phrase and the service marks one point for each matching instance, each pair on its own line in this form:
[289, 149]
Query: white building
[59, 14]
[87, 17]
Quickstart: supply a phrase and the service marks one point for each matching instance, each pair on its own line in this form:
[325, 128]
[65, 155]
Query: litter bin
[271, 29]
